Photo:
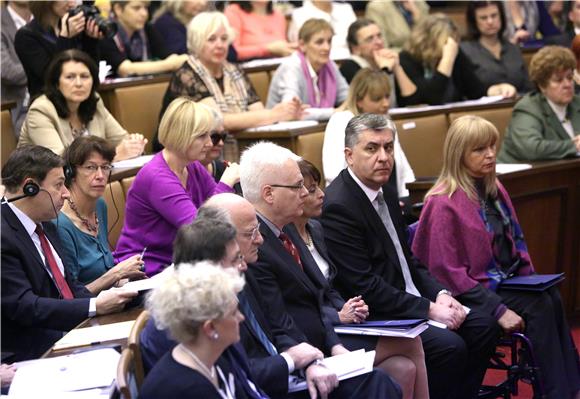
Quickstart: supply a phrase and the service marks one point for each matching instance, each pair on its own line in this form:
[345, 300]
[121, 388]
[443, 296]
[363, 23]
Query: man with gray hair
[272, 182]
[367, 241]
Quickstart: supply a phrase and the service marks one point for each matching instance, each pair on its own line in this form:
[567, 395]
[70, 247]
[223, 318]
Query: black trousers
[456, 360]
[548, 330]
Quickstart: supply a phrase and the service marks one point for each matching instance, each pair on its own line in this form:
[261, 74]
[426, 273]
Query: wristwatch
[444, 292]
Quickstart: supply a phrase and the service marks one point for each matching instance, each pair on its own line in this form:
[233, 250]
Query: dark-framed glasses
[91, 169]
[217, 137]
[291, 187]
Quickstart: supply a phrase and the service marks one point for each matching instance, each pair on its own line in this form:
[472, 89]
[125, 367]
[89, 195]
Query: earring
[215, 336]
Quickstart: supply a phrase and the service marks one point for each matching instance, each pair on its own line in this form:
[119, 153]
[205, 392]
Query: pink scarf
[326, 84]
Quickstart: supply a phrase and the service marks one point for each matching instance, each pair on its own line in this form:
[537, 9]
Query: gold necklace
[308, 240]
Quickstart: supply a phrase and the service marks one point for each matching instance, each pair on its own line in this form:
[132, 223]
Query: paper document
[133, 162]
[94, 335]
[276, 127]
[502, 168]
[76, 375]
[481, 101]
[383, 332]
[149, 283]
[533, 282]
[345, 366]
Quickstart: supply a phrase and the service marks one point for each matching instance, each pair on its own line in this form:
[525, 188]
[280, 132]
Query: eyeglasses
[92, 169]
[217, 137]
[291, 187]
[253, 234]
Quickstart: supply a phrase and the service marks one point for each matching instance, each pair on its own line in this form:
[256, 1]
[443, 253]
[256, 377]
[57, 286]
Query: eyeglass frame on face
[253, 234]
[297, 186]
[92, 169]
[221, 136]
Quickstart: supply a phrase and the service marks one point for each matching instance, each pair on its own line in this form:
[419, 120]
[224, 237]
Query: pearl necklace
[207, 373]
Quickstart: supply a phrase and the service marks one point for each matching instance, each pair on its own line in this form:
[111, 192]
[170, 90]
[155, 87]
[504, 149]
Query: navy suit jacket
[292, 301]
[34, 315]
[365, 256]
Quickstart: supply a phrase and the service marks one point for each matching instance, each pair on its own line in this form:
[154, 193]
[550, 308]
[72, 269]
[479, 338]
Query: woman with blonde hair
[198, 305]
[442, 73]
[309, 75]
[168, 190]
[369, 92]
[470, 238]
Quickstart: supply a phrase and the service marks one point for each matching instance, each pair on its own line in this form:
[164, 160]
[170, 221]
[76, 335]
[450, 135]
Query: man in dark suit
[40, 300]
[272, 183]
[366, 239]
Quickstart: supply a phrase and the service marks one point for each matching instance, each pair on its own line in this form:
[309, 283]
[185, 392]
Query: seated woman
[171, 20]
[545, 123]
[168, 190]
[470, 239]
[309, 74]
[260, 30]
[495, 59]
[402, 358]
[197, 304]
[212, 162]
[82, 221]
[71, 108]
[369, 93]
[52, 31]
[442, 73]
[208, 78]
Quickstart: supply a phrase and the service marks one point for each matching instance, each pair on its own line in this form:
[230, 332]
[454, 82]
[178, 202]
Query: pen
[143, 252]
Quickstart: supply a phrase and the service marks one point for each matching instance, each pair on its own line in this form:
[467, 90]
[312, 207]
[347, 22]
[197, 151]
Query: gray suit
[13, 75]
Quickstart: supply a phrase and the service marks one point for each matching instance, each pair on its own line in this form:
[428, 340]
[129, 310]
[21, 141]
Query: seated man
[40, 300]
[366, 240]
[368, 50]
[272, 182]
[137, 48]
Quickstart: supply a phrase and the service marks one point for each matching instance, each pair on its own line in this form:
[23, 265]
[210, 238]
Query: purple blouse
[157, 205]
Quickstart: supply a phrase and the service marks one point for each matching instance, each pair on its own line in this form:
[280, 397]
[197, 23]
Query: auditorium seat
[126, 183]
[137, 108]
[309, 147]
[126, 375]
[500, 117]
[134, 343]
[9, 140]
[422, 140]
[115, 199]
[261, 82]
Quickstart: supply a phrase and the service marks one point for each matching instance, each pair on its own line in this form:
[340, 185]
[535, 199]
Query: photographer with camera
[56, 26]
[137, 48]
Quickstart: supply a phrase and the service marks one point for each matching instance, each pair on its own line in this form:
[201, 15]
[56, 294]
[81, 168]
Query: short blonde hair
[191, 295]
[465, 134]
[184, 121]
[428, 37]
[202, 26]
[367, 81]
[547, 61]
[312, 27]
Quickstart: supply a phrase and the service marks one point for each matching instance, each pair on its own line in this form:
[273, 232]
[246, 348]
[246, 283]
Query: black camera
[106, 27]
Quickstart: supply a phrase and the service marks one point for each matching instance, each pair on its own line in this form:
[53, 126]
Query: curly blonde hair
[428, 37]
[547, 61]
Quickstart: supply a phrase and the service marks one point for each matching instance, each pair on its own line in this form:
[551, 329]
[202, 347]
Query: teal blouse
[87, 257]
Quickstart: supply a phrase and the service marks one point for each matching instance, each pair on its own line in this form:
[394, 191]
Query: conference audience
[260, 30]
[366, 239]
[402, 358]
[171, 20]
[40, 299]
[471, 240]
[82, 223]
[439, 69]
[70, 107]
[152, 216]
[309, 75]
[199, 307]
[396, 18]
[338, 14]
[522, 20]
[208, 78]
[369, 92]
[494, 58]
[272, 182]
[137, 48]
[545, 123]
[15, 14]
[212, 162]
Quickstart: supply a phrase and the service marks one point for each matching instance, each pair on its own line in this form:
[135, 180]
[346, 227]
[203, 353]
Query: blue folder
[533, 282]
[391, 324]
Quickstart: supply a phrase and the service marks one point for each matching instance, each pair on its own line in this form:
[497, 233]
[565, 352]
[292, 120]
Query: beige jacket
[44, 127]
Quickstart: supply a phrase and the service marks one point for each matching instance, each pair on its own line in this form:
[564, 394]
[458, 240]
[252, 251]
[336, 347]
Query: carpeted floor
[494, 377]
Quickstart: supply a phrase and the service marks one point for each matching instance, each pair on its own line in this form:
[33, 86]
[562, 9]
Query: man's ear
[348, 156]
[267, 194]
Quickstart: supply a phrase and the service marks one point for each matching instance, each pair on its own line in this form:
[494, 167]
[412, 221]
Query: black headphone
[30, 189]
[69, 173]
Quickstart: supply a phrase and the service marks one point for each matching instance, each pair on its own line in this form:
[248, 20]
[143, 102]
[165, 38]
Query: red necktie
[61, 283]
[291, 248]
